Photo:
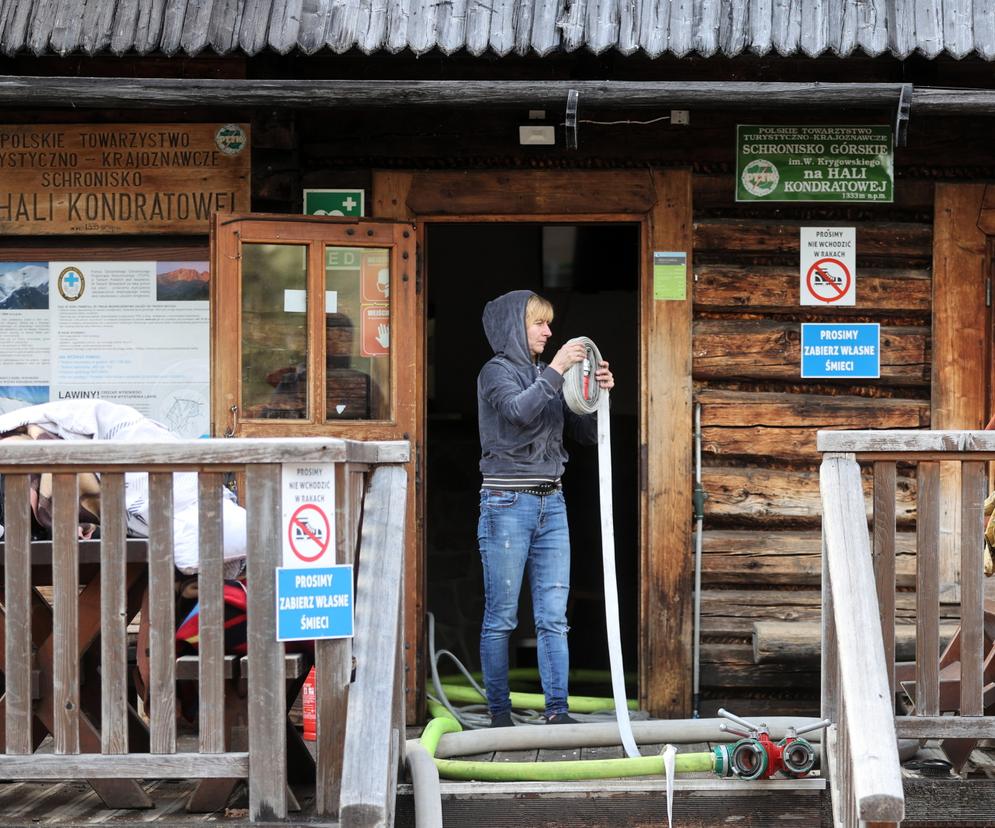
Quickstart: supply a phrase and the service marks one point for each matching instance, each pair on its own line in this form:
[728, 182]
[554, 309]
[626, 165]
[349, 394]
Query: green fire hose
[532, 701]
[552, 771]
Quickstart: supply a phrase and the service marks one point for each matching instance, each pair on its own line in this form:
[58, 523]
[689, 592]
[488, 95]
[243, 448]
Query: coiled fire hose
[583, 395]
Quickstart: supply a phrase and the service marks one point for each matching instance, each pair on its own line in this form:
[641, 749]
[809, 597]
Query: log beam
[136, 93]
[777, 642]
[317, 94]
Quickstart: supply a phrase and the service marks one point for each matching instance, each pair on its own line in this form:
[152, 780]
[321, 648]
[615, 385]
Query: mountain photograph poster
[132, 332]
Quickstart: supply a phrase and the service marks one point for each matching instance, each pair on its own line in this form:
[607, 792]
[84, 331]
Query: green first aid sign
[814, 163]
[334, 202]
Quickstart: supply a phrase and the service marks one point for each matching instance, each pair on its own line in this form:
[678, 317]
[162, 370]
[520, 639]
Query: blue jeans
[521, 533]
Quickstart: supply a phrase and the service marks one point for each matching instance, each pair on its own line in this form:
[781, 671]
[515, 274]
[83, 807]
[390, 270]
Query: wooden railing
[858, 651]
[47, 683]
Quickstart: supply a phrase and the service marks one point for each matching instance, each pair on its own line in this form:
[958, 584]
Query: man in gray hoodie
[523, 517]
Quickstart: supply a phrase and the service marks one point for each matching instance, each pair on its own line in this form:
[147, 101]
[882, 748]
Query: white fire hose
[583, 395]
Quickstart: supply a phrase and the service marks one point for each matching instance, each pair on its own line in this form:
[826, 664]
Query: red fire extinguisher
[310, 704]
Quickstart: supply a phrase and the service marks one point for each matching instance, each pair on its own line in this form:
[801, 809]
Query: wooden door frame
[963, 225]
[660, 202]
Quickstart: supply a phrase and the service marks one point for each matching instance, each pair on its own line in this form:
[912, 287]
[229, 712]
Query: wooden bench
[115, 793]
[211, 795]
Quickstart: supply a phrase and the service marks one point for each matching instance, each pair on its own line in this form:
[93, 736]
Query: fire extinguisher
[310, 704]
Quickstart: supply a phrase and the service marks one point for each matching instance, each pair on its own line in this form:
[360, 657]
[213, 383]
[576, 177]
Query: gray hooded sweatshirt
[520, 406]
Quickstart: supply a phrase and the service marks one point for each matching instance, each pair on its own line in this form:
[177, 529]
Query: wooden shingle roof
[958, 28]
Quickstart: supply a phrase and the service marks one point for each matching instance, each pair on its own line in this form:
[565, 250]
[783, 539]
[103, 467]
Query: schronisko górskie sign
[121, 178]
[814, 163]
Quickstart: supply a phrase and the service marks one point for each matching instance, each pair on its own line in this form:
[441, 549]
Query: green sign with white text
[670, 275]
[814, 163]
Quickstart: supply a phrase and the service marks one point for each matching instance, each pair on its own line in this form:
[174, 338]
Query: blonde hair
[538, 309]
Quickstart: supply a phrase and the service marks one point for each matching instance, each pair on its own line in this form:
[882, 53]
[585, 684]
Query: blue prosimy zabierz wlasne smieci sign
[314, 603]
[848, 351]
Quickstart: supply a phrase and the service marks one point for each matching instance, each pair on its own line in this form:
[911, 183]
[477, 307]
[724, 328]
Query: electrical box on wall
[537, 135]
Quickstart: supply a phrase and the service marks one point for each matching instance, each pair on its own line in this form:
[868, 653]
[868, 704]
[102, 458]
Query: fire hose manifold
[757, 756]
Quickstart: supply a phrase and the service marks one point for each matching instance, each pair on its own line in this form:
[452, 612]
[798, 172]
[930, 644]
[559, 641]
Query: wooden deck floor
[71, 804]
[700, 800]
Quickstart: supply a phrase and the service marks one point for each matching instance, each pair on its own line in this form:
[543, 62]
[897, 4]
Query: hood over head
[504, 324]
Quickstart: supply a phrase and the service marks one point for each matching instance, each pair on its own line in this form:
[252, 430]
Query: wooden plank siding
[738, 28]
[761, 561]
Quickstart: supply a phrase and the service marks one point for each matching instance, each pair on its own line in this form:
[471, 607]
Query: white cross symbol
[349, 203]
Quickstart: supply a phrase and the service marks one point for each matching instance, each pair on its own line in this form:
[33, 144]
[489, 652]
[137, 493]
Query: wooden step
[621, 803]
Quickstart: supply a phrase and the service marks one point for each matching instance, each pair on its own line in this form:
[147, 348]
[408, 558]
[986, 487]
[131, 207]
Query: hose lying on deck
[567, 737]
[444, 737]
[425, 780]
[532, 701]
[552, 771]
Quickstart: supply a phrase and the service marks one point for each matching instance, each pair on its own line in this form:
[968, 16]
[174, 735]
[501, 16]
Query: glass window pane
[357, 333]
[274, 331]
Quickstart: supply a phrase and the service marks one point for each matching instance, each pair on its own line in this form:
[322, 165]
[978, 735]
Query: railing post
[211, 626]
[927, 702]
[972, 593]
[267, 686]
[162, 617]
[371, 742]
[113, 616]
[868, 729]
[65, 589]
[884, 558]
[829, 706]
[333, 659]
[17, 626]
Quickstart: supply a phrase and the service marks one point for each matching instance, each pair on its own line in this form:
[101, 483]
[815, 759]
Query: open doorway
[590, 272]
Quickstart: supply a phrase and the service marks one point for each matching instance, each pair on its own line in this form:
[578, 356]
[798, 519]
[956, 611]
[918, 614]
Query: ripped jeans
[521, 533]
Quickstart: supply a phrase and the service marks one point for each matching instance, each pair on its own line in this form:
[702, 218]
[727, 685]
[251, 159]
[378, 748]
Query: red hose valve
[755, 756]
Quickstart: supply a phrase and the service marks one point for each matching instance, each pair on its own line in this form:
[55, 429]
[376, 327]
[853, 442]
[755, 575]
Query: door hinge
[988, 292]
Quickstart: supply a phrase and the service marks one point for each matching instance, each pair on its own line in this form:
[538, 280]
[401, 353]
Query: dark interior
[590, 273]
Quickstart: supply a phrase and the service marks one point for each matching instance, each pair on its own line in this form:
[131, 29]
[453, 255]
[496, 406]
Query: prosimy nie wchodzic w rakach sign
[814, 163]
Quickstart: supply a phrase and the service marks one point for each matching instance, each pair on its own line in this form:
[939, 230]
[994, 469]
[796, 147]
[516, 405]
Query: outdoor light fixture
[536, 135]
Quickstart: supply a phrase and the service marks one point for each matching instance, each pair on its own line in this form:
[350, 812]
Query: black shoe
[561, 718]
[502, 720]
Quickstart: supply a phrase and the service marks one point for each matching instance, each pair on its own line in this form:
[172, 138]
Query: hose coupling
[750, 759]
[797, 756]
[723, 761]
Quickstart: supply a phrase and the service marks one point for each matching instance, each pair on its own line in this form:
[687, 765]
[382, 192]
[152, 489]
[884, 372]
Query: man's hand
[569, 354]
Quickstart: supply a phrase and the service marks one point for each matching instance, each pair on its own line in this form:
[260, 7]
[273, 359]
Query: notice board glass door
[313, 327]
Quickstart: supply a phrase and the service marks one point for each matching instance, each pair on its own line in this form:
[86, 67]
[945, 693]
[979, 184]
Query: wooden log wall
[762, 542]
